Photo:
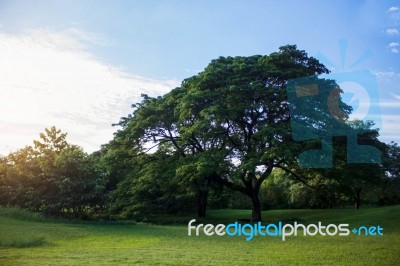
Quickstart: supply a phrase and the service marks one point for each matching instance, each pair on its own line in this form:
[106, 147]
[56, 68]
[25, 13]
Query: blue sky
[91, 59]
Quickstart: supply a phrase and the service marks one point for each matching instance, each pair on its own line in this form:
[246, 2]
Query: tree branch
[296, 176]
[217, 178]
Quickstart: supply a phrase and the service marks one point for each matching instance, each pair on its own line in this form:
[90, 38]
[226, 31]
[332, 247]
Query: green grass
[28, 239]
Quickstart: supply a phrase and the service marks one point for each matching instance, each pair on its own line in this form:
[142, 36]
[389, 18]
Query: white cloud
[389, 104]
[393, 9]
[394, 47]
[390, 130]
[392, 31]
[88, 37]
[47, 78]
[396, 96]
[387, 74]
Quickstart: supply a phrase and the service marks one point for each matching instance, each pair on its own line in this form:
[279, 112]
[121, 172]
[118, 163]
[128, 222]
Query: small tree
[53, 176]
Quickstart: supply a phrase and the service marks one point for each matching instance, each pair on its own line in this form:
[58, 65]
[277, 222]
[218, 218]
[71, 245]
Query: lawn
[28, 239]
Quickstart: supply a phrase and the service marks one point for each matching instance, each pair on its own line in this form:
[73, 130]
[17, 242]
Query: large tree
[243, 102]
[231, 121]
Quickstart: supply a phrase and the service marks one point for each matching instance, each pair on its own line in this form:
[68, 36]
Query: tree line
[222, 139]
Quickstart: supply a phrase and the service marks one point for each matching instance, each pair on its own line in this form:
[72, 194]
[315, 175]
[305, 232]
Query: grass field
[28, 239]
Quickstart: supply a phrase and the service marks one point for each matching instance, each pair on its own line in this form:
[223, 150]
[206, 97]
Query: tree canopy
[229, 124]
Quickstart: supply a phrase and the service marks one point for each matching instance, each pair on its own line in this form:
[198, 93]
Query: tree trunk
[256, 210]
[201, 203]
[357, 197]
[329, 199]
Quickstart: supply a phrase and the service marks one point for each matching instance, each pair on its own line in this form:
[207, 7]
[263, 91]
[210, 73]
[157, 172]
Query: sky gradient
[79, 65]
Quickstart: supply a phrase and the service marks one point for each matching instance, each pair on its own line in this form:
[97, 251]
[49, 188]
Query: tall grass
[21, 214]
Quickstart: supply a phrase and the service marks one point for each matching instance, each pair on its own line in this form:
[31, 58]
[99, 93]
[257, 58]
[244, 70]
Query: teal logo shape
[317, 111]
